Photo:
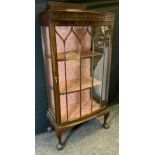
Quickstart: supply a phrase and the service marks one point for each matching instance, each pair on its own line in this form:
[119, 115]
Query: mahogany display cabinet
[77, 47]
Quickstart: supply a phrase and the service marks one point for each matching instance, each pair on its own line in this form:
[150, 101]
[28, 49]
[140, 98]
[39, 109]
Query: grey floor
[89, 138]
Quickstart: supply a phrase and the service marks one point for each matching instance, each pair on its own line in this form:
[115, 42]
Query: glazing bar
[92, 74]
[80, 79]
[102, 75]
[66, 80]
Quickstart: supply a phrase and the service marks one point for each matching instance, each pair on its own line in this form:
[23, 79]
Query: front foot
[59, 146]
[105, 125]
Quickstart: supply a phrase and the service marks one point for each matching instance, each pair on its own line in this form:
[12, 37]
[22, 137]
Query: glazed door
[83, 57]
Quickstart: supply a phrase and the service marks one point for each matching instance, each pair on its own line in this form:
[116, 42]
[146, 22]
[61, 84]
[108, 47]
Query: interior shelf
[71, 55]
[74, 85]
[74, 109]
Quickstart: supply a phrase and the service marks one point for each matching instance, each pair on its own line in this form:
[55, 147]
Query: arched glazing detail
[82, 55]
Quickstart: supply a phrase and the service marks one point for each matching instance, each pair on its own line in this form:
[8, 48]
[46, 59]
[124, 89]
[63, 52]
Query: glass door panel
[82, 56]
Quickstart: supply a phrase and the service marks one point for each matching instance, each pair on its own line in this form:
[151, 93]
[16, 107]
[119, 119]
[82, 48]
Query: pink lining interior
[72, 71]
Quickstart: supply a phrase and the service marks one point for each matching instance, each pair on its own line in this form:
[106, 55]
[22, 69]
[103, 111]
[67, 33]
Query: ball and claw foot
[59, 146]
[49, 129]
[106, 126]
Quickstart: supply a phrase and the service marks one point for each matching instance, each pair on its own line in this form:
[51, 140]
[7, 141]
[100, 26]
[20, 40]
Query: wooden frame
[60, 17]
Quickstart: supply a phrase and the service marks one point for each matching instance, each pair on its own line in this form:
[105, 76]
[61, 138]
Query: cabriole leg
[60, 144]
[105, 125]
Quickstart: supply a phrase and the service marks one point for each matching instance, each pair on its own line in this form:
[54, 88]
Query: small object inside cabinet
[77, 47]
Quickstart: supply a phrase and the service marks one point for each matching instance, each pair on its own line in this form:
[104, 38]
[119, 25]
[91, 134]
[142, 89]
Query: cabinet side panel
[48, 67]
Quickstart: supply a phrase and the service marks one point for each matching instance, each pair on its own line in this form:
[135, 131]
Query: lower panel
[73, 111]
[88, 105]
[74, 122]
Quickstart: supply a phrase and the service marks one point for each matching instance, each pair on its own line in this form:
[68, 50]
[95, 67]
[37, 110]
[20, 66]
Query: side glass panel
[101, 37]
[82, 56]
[48, 67]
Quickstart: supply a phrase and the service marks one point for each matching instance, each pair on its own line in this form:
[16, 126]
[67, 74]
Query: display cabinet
[77, 47]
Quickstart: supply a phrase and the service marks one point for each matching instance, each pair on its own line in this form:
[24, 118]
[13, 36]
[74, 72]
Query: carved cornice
[76, 16]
